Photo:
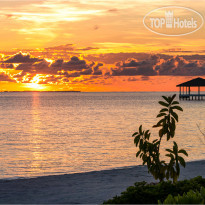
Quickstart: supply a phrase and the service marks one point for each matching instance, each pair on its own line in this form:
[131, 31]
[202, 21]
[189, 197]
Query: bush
[143, 193]
[192, 197]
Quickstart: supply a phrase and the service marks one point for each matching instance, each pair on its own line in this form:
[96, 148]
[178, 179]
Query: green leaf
[177, 108]
[182, 161]
[146, 134]
[173, 123]
[140, 129]
[166, 99]
[172, 133]
[174, 114]
[161, 114]
[157, 125]
[163, 104]
[183, 152]
[175, 103]
[141, 143]
[161, 121]
[168, 136]
[170, 155]
[172, 98]
[134, 134]
[160, 133]
[136, 140]
[175, 148]
[164, 110]
[169, 150]
[154, 141]
[138, 153]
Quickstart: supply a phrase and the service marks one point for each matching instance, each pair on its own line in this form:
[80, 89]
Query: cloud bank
[60, 71]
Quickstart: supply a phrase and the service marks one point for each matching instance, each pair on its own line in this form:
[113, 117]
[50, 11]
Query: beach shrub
[149, 151]
[192, 197]
[143, 193]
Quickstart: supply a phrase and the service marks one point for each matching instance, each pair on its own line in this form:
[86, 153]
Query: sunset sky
[94, 45]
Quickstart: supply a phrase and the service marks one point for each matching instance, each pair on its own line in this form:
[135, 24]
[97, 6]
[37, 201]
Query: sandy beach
[91, 187]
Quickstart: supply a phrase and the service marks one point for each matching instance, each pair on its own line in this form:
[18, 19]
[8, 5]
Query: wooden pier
[185, 89]
[191, 97]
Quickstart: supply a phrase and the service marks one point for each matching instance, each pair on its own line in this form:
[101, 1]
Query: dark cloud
[37, 68]
[125, 72]
[193, 57]
[178, 66]
[74, 64]
[57, 64]
[44, 67]
[19, 76]
[133, 67]
[20, 58]
[97, 70]
[64, 71]
[112, 58]
[7, 65]
[25, 67]
[155, 65]
[60, 68]
[5, 77]
[53, 80]
[76, 73]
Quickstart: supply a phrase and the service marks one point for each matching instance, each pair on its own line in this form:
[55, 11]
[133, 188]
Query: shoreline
[88, 187]
[83, 172]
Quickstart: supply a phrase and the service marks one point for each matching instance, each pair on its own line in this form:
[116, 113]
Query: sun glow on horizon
[35, 86]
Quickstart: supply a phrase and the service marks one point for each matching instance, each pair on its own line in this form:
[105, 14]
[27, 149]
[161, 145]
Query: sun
[34, 85]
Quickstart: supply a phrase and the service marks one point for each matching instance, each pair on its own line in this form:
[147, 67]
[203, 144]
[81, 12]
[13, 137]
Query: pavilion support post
[189, 92]
[180, 92]
[199, 93]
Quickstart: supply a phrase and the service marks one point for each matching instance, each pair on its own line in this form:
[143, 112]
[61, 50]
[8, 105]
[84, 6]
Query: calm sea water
[45, 133]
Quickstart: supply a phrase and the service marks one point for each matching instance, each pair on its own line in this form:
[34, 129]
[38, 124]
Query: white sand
[92, 187]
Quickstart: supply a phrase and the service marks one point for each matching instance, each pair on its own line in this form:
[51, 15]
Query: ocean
[50, 133]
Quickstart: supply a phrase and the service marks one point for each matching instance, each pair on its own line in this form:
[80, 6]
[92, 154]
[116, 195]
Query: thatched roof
[193, 83]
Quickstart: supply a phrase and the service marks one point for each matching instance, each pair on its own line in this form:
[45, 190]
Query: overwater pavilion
[185, 89]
